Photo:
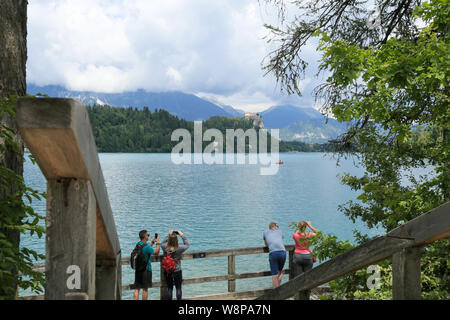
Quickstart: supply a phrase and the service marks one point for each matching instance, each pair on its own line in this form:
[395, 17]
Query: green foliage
[403, 119]
[393, 87]
[16, 215]
[384, 292]
[435, 266]
[132, 130]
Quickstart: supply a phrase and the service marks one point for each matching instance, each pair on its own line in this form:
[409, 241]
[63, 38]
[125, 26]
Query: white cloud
[174, 74]
[213, 47]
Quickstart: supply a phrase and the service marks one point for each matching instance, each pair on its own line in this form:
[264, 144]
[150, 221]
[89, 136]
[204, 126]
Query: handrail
[199, 254]
[230, 277]
[79, 219]
[425, 229]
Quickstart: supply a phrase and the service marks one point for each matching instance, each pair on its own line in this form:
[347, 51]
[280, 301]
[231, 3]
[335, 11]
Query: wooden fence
[231, 276]
[402, 244]
[82, 247]
[81, 236]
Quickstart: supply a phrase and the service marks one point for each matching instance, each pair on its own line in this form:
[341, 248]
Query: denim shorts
[277, 260]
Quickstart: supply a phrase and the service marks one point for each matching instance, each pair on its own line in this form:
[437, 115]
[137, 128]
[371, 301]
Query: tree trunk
[13, 56]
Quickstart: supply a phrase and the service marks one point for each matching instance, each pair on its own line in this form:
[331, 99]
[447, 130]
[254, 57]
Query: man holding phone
[143, 279]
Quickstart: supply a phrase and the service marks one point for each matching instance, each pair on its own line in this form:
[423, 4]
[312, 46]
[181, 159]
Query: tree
[347, 20]
[390, 80]
[13, 32]
[15, 263]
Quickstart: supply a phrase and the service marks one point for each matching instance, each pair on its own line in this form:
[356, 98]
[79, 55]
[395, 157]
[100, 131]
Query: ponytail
[302, 226]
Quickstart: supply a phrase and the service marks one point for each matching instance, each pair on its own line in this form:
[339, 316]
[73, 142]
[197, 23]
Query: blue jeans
[277, 260]
[174, 278]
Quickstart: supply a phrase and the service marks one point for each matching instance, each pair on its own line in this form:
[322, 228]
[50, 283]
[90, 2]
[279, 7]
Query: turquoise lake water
[217, 207]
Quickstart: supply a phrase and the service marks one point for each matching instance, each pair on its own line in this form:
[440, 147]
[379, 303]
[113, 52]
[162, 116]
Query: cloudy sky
[213, 49]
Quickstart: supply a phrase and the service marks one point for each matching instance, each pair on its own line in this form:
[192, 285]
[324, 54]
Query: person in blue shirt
[143, 279]
[273, 238]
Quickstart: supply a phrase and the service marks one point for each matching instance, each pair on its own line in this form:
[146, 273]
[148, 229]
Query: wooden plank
[369, 253]
[250, 294]
[190, 255]
[77, 296]
[426, 228]
[225, 277]
[70, 239]
[291, 264]
[218, 296]
[214, 253]
[228, 277]
[230, 295]
[302, 295]
[163, 283]
[32, 297]
[406, 283]
[58, 133]
[231, 271]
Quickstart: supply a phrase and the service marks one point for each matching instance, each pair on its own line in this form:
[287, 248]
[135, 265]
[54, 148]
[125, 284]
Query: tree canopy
[390, 79]
[131, 130]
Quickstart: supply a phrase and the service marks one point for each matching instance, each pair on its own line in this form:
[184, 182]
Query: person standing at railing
[143, 278]
[171, 248]
[273, 238]
[303, 260]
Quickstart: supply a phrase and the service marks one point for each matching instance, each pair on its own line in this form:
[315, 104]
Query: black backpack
[137, 258]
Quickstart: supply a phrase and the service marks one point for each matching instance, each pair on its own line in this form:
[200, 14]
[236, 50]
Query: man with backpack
[141, 262]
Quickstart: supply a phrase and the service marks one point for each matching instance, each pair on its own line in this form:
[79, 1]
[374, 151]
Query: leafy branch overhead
[390, 81]
[346, 20]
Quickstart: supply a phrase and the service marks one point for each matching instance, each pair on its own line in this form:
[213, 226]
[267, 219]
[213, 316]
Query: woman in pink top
[302, 260]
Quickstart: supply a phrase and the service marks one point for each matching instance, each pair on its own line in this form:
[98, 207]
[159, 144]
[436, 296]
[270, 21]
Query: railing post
[80, 225]
[291, 264]
[108, 279]
[70, 240]
[163, 287]
[406, 274]
[231, 271]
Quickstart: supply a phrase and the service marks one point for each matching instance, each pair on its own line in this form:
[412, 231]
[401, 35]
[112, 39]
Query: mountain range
[295, 123]
[302, 124]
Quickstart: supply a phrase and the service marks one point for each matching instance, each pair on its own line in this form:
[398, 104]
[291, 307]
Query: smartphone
[175, 232]
[156, 236]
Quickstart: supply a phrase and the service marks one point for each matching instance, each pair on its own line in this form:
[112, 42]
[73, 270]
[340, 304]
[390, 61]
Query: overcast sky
[213, 49]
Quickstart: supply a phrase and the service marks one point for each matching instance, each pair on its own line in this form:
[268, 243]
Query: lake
[217, 207]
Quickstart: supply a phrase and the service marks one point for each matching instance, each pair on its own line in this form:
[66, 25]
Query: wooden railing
[82, 247]
[231, 276]
[83, 256]
[402, 244]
